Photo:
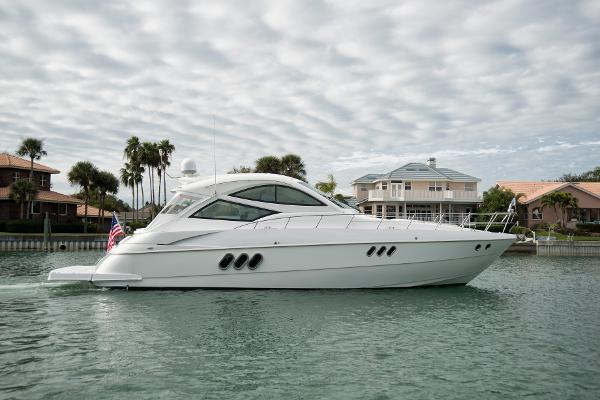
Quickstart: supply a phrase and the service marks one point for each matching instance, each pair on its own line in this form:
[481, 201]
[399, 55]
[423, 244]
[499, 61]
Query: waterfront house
[420, 190]
[60, 207]
[586, 193]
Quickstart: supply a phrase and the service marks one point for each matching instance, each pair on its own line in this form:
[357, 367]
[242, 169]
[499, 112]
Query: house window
[447, 185]
[469, 187]
[62, 209]
[363, 188]
[390, 212]
[435, 186]
[35, 207]
[15, 176]
[384, 186]
[368, 210]
[408, 185]
[536, 213]
[379, 211]
[43, 180]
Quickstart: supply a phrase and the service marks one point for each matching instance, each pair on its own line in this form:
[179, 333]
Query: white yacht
[273, 231]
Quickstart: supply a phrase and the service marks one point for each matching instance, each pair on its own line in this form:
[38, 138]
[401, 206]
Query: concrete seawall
[568, 248]
[57, 243]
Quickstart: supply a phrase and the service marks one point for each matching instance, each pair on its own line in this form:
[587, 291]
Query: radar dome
[188, 166]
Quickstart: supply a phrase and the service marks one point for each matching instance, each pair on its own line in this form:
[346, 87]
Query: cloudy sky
[496, 89]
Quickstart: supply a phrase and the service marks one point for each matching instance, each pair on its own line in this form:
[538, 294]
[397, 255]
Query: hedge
[589, 227]
[28, 226]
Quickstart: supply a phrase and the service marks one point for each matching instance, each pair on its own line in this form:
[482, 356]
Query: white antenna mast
[214, 153]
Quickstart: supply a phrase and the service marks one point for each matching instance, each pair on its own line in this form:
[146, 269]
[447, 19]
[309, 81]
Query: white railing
[323, 221]
[422, 195]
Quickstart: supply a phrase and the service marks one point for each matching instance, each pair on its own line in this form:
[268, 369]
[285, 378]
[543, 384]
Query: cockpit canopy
[246, 198]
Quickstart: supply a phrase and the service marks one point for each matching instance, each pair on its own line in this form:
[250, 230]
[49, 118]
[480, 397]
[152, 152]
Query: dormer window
[15, 176]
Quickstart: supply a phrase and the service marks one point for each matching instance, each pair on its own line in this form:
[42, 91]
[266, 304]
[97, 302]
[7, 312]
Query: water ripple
[527, 327]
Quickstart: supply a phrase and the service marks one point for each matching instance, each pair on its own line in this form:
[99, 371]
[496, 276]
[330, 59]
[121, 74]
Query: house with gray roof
[421, 190]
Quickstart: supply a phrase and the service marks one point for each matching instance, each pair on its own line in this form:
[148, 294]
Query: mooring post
[46, 231]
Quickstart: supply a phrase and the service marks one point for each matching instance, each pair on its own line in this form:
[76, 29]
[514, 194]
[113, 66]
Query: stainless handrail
[439, 220]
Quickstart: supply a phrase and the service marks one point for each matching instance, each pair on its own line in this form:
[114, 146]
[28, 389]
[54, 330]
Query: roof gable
[535, 190]
[419, 172]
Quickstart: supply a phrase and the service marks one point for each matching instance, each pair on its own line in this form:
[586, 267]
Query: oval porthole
[240, 261]
[381, 251]
[477, 247]
[487, 246]
[391, 251]
[225, 261]
[255, 261]
[371, 251]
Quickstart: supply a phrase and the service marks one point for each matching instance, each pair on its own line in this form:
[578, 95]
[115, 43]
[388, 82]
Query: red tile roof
[535, 190]
[92, 211]
[47, 196]
[10, 161]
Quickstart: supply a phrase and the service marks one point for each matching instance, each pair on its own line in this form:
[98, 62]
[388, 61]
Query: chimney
[431, 162]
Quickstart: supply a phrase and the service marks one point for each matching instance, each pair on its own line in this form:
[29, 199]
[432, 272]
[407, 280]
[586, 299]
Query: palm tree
[127, 179]
[105, 182]
[559, 201]
[566, 200]
[34, 149]
[268, 165]
[150, 157]
[241, 170]
[132, 153]
[549, 200]
[83, 174]
[23, 191]
[292, 165]
[166, 150]
[327, 187]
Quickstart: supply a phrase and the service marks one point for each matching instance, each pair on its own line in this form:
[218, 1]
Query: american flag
[115, 230]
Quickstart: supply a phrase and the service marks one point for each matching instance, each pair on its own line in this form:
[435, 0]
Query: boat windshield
[330, 198]
[180, 202]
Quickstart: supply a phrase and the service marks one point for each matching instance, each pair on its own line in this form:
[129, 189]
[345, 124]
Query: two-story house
[420, 190]
[60, 207]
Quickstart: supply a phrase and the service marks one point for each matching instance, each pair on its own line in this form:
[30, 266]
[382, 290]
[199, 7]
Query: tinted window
[221, 209]
[278, 194]
[286, 195]
[260, 193]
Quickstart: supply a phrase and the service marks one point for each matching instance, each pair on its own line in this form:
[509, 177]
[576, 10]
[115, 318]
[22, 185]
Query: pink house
[587, 194]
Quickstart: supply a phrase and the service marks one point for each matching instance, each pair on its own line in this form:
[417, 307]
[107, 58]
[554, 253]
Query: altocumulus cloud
[498, 89]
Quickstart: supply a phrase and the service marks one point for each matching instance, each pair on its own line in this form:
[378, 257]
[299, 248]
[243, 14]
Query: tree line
[293, 166]
[96, 186]
[152, 158]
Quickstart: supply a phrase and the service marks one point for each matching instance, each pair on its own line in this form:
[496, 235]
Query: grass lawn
[560, 236]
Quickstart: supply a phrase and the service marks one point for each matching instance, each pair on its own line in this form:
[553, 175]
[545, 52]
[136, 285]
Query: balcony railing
[422, 195]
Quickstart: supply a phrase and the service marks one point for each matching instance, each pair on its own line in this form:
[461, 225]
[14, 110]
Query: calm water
[528, 326]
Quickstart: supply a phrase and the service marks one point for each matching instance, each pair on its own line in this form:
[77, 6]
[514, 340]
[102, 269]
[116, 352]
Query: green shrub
[24, 226]
[542, 226]
[133, 225]
[67, 228]
[589, 227]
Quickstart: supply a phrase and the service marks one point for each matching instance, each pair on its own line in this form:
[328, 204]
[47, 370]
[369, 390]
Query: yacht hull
[325, 266]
